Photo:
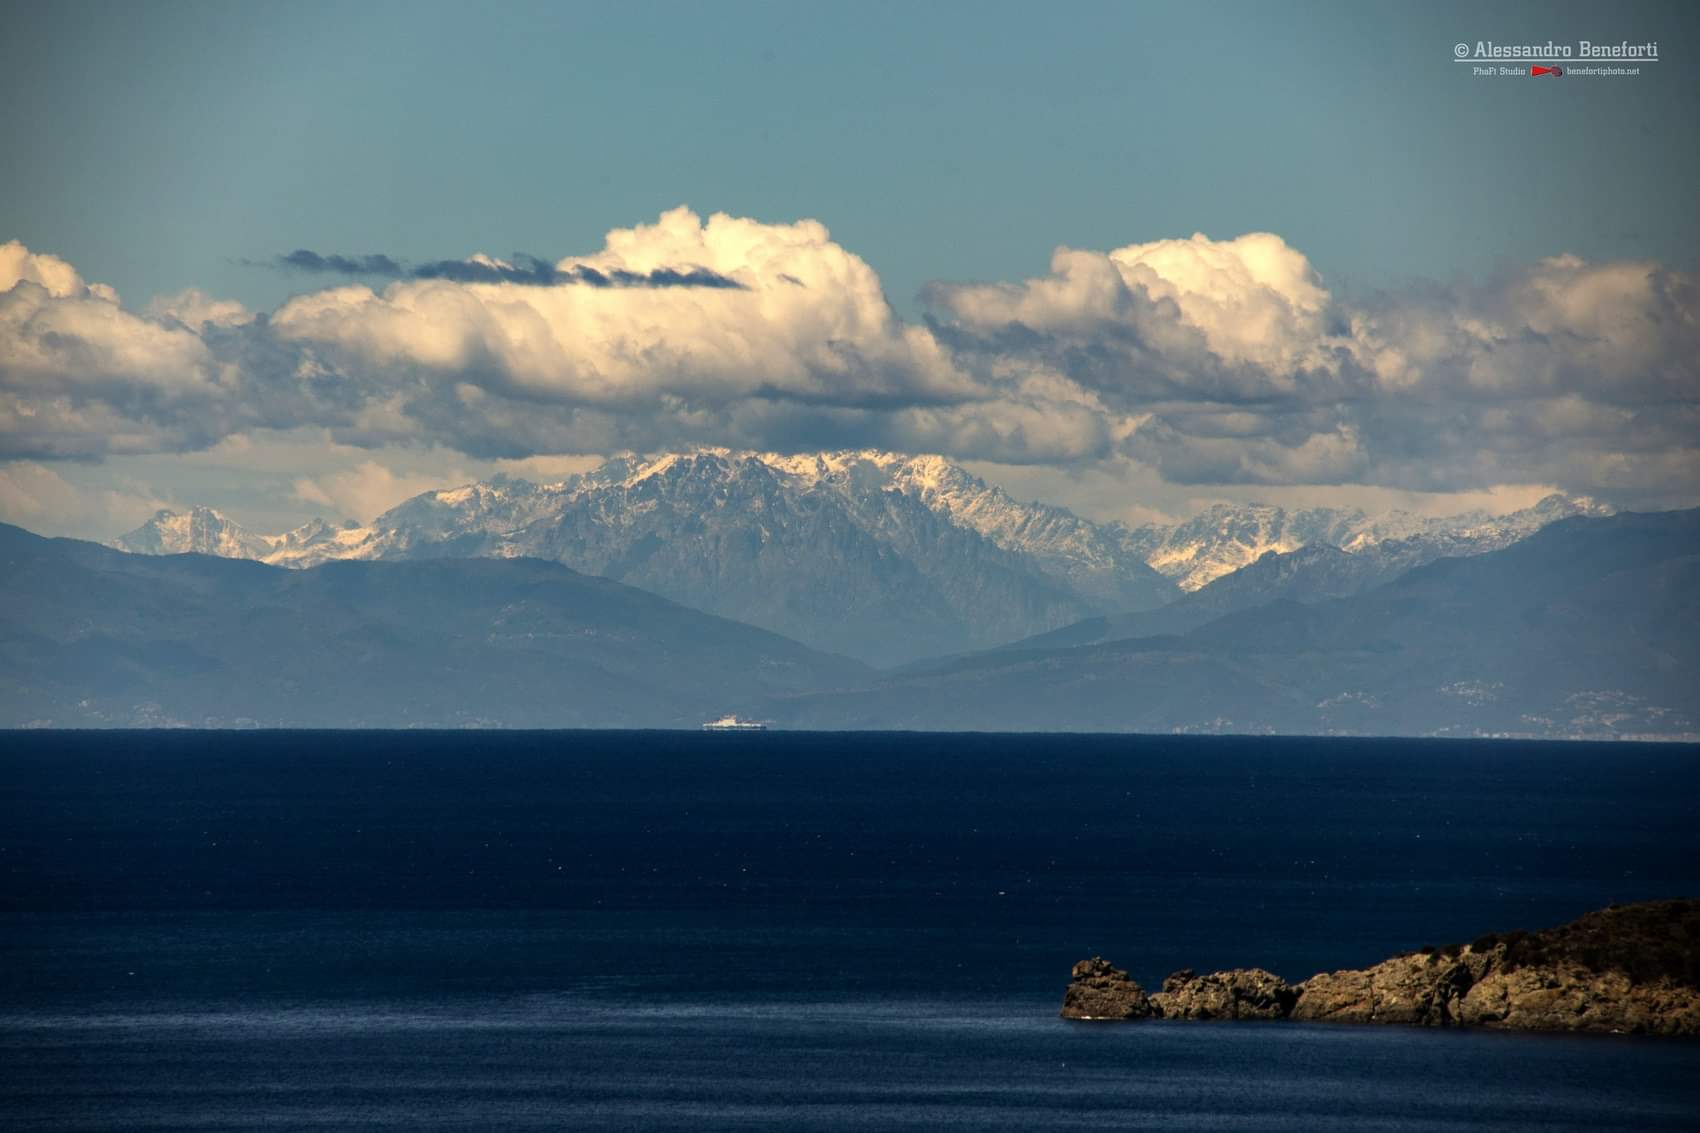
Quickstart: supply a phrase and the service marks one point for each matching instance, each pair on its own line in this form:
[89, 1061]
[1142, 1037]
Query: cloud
[80, 376]
[521, 268]
[1237, 320]
[369, 489]
[678, 352]
[373, 264]
[1204, 363]
[58, 278]
[1239, 367]
[1252, 301]
[197, 310]
[1622, 332]
[35, 496]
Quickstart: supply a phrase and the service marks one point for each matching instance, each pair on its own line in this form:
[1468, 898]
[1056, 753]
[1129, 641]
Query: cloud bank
[1199, 361]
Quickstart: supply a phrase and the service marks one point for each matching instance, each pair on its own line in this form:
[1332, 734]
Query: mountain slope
[871, 554]
[1226, 537]
[875, 554]
[208, 531]
[1589, 627]
[1309, 574]
[93, 636]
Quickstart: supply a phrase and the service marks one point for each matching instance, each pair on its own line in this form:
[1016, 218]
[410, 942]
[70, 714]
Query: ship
[730, 723]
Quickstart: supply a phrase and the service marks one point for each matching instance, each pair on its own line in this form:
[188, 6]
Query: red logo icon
[1555, 72]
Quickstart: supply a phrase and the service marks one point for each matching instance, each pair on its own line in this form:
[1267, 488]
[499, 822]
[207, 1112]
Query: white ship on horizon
[734, 723]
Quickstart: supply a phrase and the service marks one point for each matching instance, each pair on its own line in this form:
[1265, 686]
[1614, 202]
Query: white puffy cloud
[1237, 366]
[55, 276]
[81, 376]
[197, 310]
[49, 341]
[807, 323]
[1204, 362]
[1236, 319]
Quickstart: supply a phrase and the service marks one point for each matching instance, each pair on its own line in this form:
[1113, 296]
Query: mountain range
[1589, 627]
[1226, 537]
[94, 637]
[884, 557]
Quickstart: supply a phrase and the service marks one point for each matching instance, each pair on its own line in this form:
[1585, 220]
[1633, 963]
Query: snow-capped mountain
[1227, 537]
[208, 531]
[1089, 556]
[199, 531]
[882, 556]
[867, 553]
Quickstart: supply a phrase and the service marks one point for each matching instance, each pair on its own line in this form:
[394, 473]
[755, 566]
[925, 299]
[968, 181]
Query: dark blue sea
[389, 930]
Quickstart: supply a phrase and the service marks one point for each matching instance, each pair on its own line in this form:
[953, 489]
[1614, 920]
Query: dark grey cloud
[523, 269]
[371, 264]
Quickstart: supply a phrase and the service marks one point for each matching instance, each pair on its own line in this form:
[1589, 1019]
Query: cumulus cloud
[80, 376]
[1203, 362]
[1249, 301]
[1236, 320]
[1238, 366]
[807, 323]
[1620, 332]
[197, 310]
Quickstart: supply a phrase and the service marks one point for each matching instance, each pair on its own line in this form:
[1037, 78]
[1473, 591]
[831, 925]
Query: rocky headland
[1632, 969]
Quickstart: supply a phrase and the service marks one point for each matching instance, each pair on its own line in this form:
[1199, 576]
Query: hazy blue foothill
[97, 637]
[1590, 627]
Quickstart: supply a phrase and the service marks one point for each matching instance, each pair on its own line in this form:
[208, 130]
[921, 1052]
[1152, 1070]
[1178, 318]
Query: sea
[783, 930]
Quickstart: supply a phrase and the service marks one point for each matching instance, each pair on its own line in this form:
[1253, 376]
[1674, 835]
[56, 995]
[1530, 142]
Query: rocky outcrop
[1098, 991]
[1633, 969]
[1244, 993]
[1421, 989]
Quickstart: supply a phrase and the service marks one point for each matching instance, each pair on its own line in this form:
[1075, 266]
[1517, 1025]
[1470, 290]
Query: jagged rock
[1099, 991]
[1573, 999]
[1628, 968]
[1417, 988]
[1244, 993]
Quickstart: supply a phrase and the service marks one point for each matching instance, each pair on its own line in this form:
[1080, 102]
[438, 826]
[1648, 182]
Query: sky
[1132, 258]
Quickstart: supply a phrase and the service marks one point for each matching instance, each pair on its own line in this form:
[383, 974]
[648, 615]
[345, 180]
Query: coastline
[1625, 969]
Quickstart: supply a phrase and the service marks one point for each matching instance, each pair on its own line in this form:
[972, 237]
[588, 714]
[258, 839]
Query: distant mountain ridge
[94, 637]
[1312, 573]
[1226, 537]
[879, 555]
[1588, 628]
[208, 531]
[871, 554]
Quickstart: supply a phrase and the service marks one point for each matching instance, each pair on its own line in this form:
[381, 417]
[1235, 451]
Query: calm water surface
[660, 930]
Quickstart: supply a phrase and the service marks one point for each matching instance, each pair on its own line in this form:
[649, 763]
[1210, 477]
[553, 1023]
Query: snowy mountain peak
[886, 555]
[199, 531]
[1227, 537]
[207, 531]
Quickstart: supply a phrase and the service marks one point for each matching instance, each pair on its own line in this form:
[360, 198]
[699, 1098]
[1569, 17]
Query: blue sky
[158, 147]
[161, 144]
